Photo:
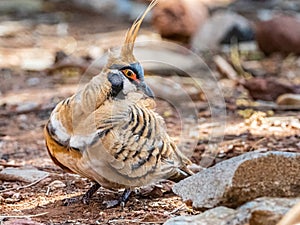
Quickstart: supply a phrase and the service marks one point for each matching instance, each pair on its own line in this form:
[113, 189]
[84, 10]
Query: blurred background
[238, 39]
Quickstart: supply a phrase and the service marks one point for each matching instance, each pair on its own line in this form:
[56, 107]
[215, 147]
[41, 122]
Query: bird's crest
[127, 48]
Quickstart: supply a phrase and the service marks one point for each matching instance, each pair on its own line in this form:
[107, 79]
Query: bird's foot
[70, 201]
[121, 202]
[85, 198]
[111, 203]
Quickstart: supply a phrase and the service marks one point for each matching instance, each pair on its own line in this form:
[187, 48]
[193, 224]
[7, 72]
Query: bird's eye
[130, 74]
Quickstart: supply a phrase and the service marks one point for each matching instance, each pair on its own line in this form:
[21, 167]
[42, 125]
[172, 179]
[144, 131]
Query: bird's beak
[146, 89]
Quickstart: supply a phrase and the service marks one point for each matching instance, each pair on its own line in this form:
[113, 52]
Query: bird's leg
[86, 197]
[121, 201]
[125, 197]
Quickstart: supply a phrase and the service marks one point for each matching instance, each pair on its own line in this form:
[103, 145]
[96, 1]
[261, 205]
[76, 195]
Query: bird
[109, 131]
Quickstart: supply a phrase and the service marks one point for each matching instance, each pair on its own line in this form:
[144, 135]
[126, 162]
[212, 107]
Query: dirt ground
[22, 144]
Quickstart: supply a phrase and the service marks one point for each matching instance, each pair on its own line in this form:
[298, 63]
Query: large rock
[243, 178]
[280, 34]
[22, 174]
[179, 19]
[216, 216]
[292, 216]
[221, 27]
[264, 211]
[95, 5]
[261, 211]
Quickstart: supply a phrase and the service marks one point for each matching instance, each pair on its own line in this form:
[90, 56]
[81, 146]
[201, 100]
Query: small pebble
[56, 185]
[8, 194]
[23, 118]
[33, 81]
[27, 106]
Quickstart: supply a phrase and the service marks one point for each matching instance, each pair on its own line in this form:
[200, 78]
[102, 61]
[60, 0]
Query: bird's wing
[93, 128]
[136, 150]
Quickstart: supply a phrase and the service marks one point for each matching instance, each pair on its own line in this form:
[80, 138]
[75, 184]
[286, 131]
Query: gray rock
[22, 174]
[292, 216]
[261, 211]
[216, 216]
[27, 107]
[264, 211]
[243, 178]
[214, 30]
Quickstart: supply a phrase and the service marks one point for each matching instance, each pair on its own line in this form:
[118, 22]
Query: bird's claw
[69, 201]
[121, 202]
[111, 204]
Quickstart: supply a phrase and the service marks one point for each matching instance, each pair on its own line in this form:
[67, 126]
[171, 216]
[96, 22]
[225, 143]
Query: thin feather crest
[127, 49]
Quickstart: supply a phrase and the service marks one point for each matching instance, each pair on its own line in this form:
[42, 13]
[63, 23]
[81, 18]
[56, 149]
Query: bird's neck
[93, 94]
[77, 112]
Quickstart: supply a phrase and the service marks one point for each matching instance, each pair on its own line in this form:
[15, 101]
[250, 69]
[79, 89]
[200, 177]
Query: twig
[24, 216]
[237, 62]
[225, 68]
[262, 106]
[24, 204]
[25, 186]
[4, 164]
[177, 209]
[48, 190]
[43, 168]
[257, 142]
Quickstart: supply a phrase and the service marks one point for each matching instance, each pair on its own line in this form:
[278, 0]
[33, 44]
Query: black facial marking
[116, 81]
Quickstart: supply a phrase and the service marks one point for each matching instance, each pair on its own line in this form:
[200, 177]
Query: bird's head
[124, 71]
